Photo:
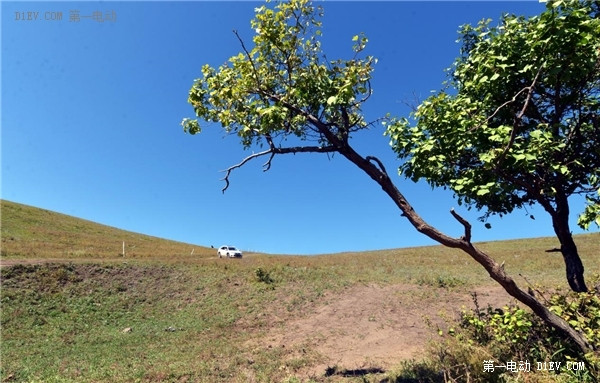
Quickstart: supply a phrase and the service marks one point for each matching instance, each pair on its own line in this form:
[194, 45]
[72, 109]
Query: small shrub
[440, 281]
[263, 276]
[512, 334]
[416, 372]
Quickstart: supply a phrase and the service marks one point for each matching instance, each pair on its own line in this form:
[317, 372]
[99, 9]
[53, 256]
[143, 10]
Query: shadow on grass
[348, 373]
[416, 372]
[412, 372]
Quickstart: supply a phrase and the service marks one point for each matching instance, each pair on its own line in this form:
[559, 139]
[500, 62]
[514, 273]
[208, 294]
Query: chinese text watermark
[526, 366]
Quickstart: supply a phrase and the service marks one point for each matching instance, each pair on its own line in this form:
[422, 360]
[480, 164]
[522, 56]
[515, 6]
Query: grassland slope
[30, 232]
[161, 315]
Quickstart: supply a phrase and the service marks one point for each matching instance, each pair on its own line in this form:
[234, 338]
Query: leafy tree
[283, 95]
[519, 120]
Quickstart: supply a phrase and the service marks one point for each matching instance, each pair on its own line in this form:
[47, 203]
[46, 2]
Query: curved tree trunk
[374, 168]
[573, 264]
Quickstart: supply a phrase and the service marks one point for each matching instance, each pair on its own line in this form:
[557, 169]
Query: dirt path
[373, 326]
[364, 326]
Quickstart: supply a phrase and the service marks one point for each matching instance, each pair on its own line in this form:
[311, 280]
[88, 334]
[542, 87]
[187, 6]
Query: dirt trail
[364, 326]
[373, 326]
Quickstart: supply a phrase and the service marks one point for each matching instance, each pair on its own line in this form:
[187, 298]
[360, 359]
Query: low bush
[263, 276]
[511, 344]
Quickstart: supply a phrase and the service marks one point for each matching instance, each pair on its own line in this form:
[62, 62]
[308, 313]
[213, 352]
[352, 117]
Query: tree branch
[500, 107]
[519, 117]
[379, 163]
[321, 126]
[465, 223]
[273, 151]
[529, 90]
[368, 95]
[249, 58]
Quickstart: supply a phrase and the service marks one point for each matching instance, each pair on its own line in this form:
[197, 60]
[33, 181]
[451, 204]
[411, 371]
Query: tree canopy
[284, 86]
[518, 121]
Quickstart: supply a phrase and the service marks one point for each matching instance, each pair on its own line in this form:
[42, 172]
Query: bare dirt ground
[365, 326]
[374, 327]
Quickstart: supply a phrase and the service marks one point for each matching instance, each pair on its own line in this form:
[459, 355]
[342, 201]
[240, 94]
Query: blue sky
[91, 113]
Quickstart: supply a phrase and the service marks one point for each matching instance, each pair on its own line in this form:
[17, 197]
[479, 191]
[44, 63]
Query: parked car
[229, 252]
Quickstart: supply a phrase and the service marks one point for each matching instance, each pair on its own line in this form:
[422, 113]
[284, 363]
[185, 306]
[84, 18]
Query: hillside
[30, 232]
[33, 233]
[345, 317]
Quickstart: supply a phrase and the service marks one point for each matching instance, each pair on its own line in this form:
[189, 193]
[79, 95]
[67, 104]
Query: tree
[284, 90]
[518, 122]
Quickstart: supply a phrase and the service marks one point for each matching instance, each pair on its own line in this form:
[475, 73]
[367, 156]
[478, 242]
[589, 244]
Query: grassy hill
[34, 233]
[161, 315]
[30, 232]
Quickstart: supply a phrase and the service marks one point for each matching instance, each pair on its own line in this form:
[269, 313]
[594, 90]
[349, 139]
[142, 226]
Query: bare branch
[465, 223]
[528, 89]
[267, 165]
[412, 104]
[273, 151]
[500, 107]
[495, 270]
[529, 93]
[228, 170]
[379, 163]
[368, 95]
[518, 117]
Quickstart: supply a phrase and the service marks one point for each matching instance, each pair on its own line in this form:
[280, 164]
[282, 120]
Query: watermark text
[527, 366]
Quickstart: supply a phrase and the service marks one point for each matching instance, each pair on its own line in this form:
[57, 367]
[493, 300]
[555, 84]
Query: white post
[123, 248]
[192, 252]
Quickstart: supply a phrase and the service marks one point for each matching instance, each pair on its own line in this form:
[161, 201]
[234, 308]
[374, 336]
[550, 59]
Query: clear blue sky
[91, 113]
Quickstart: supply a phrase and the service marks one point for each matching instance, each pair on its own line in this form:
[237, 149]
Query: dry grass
[197, 318]
[29, 232]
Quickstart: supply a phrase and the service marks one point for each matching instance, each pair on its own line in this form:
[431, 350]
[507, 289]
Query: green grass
[65, 322]
[197, 318]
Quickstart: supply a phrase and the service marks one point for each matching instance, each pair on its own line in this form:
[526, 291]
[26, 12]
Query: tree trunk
[558, 208]
[573, 264]
[374, 168]
[496, 271]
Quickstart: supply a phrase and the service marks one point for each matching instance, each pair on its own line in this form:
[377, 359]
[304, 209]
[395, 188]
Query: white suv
[229, 252]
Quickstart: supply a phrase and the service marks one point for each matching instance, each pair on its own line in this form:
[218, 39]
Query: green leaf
[535, 134]
[557, 309]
